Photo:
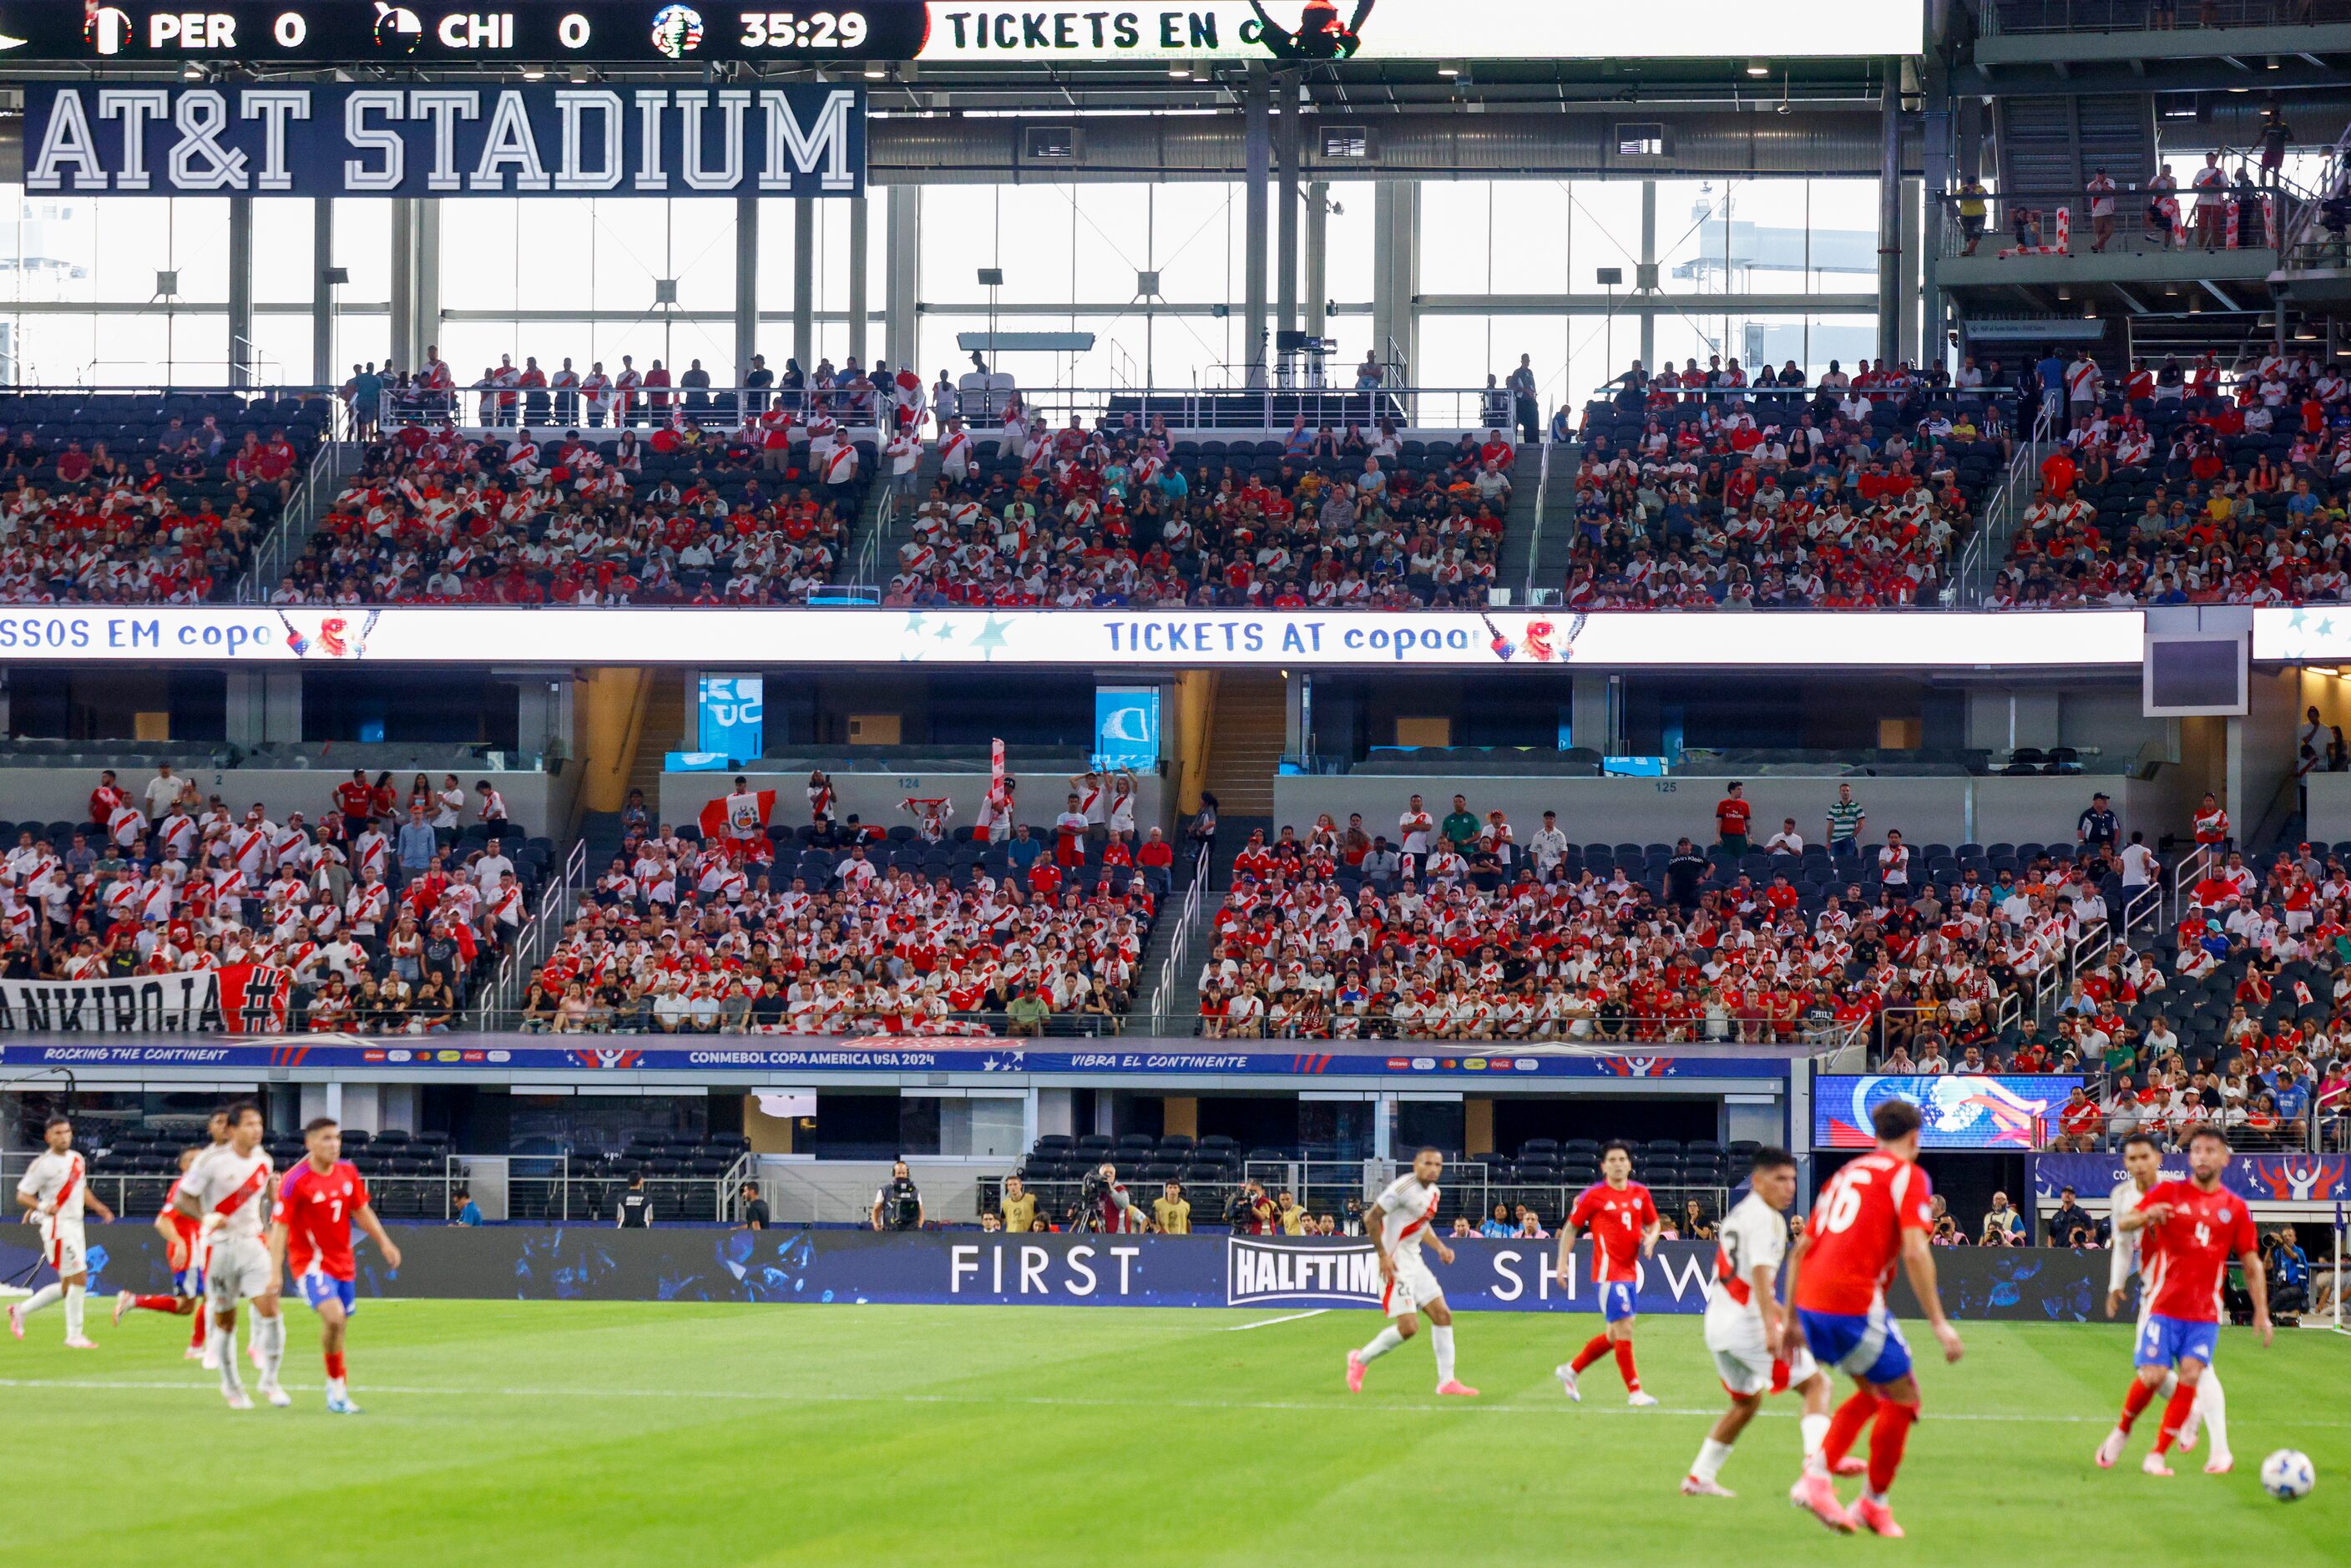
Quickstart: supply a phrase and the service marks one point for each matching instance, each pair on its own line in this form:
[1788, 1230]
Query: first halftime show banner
[543, 139]
[958, 1268]
[237, 998]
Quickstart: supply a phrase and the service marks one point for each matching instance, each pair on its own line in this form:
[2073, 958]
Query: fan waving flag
[742, 816]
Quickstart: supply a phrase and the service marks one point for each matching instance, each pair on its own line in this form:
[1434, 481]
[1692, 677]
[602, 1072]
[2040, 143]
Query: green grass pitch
[577, 1433]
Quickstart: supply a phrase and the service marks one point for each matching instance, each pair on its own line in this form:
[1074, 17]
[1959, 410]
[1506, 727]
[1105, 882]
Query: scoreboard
[343, 32]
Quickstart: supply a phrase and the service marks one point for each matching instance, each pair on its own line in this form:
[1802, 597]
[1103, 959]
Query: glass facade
[136, 289]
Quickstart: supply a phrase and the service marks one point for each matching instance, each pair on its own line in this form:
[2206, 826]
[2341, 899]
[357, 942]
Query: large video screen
[1962, 1111]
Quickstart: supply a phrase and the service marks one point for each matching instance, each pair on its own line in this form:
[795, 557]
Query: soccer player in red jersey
[1872, 1211]
[2188, 1231]
[1622, 1221]
[183, 1237]
[316, 1203]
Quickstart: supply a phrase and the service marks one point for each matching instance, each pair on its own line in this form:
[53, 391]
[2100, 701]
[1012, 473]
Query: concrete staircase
[1248, 732]
[1550, 552]
[657, 736]
[901, 528]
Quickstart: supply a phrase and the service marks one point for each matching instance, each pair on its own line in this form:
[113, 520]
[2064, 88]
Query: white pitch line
[1269, 1323]
[780, 1396]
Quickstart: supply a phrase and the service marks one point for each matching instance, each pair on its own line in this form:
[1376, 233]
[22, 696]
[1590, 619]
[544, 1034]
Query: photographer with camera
[1250, 1212]
[898, 1205]
[1103, 1203]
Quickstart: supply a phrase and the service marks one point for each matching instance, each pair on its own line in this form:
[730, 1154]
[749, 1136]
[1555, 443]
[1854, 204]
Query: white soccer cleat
[2110, 1451]
[123, 1302]
[1639, 1399]
[2189, 1430]
[338, 1405]
[277, 1395]
[1693, 1487]
[240, 1401]
[193, 1353]
[1566, 1375]
[2219, 1464]
[2153, 1465]
[82, 1341]
[210, 1357]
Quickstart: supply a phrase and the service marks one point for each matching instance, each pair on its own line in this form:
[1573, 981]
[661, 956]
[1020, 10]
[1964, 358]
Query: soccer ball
[2286, 1474]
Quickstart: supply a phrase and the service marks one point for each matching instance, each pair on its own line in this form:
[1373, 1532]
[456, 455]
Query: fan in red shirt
[1622, 1221]
[2191, 1230]
[311, 1230]
[1872, 1211]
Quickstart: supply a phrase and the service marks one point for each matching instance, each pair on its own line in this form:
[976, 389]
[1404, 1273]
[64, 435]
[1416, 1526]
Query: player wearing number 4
[2188, 1230]
[2143, 1165]
[316, 1206]
[1622, 1221]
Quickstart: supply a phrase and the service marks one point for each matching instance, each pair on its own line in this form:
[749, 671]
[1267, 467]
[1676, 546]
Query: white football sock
[1815, 1429]
[75, 1296]
[47, 1295]
[1711, 1455]
[223, 1345]
[2167, 1388]
[2213, 1405]
[1440, 1336]
[1387, 1340]
[336, 1389]
[270, 1335]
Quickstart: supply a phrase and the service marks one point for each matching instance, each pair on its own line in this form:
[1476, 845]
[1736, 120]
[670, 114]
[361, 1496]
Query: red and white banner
[240, 999]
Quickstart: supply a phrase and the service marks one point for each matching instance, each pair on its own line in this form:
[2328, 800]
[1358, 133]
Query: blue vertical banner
[734, 716]
[1127, 728]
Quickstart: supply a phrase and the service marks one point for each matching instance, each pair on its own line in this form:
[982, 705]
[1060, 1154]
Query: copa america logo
[677, 31]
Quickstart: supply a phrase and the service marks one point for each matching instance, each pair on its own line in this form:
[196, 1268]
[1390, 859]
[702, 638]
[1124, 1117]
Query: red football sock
[1593, 1350]
[196, 1338]
[1886, 1439]
[334, 1364]
[156, 1303]
[1625, 1365]
[2133, 1403]
[2175, 1416]
[1846, 1425]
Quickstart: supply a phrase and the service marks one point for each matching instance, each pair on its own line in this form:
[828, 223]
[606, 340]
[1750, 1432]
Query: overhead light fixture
[876, 71]
[1181, 71]
[2273, 62]
[534, 73]
[1450, 67]
[191, 71]
[1759, 68]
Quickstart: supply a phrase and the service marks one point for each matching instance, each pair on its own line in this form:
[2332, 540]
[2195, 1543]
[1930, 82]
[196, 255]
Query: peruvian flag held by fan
[740, 818]
[996, 811]
[252, 999]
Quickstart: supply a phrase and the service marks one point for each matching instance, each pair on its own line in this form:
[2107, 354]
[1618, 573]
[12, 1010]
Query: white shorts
[1413, 1288]
[236, 1270]
[63, 1247]
[1744, 1361]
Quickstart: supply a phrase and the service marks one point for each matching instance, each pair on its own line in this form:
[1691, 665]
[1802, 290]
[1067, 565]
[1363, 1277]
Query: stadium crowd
[381, 910]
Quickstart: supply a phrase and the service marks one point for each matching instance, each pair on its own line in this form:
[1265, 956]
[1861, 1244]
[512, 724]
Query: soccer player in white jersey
[53, 1195]
[1398, 1222]
[1744, 1322]
[227, 1193]
[2143, 1168]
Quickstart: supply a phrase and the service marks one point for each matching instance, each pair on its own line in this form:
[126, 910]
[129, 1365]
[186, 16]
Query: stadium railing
[2138, 15]
[2253, 220]
[1164, 996]
[557, 902]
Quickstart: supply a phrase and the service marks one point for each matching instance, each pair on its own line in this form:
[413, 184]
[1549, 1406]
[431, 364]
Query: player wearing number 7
[2188, 1231]
[1622, 1221]
[315, 1205]
[1875, 1210]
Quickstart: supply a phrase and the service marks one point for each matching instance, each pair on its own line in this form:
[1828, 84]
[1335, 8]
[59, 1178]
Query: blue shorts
[188, 1283]
[1869, 1346]
[2167, 1342]
[318, 1288]
[1616, 1302]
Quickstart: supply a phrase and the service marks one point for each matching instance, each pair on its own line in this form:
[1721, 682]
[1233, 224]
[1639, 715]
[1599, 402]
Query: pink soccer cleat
[1693, 1487]
[16, 1323]
[1354, 1372]
[82, 1341]
[1870, 1514]
[2219, 1464]
[1851, 1465]
[1814, 1491]
[2110, 1451]
[123, 1302]
[1454, 1385]
[2153, 1465]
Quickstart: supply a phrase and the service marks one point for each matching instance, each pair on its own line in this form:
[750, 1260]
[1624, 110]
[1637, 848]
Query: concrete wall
[875, 797]
[1951, 810]
[539, 801]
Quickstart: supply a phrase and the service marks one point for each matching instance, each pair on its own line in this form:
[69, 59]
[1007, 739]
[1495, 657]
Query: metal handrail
[1542, 498]
[2133, 236]
[1971, 577]
[535, 940]
[1171, 973]
[298, 517]
[2334, 180]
